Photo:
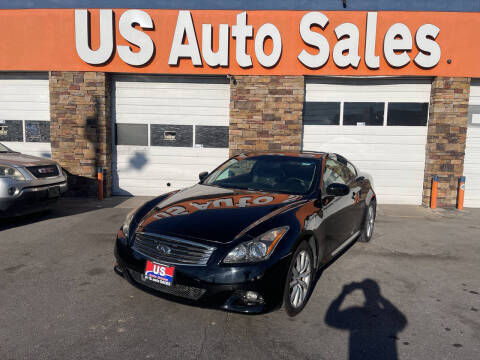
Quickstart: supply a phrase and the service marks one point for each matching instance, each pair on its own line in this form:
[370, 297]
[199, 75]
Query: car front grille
[44, 171]
[187, 292]
[172, 250]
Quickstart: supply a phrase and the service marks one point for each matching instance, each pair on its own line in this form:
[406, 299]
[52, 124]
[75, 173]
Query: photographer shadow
[373, 327]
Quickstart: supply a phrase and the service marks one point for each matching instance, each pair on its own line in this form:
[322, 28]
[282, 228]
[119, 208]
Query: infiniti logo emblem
[165, 250]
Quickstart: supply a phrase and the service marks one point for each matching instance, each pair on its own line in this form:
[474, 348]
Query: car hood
[212, 213]
[17, 159]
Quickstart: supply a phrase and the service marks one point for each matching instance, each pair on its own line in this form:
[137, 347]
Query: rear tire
[299, 281]
[369, 222]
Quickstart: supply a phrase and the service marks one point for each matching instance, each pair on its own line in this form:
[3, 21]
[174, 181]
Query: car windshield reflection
[277, 174]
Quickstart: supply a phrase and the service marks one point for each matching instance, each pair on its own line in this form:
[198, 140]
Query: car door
[339, 211]
[356, 184]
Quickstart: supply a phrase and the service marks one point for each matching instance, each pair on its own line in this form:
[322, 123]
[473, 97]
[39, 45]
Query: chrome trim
[346, 243]
[183, 252]
[173, 238]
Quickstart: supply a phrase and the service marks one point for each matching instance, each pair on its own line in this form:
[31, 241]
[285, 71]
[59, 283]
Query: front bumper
[30, 199]
[213, 285]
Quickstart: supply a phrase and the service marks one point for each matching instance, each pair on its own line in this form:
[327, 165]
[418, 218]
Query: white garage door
[471, 168]
[25, 113]
[378, 124]
[168, 130]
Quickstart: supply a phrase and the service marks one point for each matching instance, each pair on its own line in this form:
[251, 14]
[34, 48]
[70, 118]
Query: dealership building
[156, 95]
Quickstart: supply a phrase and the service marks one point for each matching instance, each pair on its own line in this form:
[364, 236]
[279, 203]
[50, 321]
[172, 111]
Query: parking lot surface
[413, 292]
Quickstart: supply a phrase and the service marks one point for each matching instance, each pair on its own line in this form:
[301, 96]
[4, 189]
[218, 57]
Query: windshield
[278, 174]
[4, 149]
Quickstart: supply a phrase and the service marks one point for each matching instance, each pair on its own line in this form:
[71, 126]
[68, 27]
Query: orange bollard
[461, 192]
[100, 183]
[433, 196]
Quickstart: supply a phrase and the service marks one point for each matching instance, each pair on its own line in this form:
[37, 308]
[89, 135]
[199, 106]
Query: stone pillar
[80, 128]
[447, 133]
[266, 113]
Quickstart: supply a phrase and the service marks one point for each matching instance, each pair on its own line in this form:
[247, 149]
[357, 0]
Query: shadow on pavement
[373, 327]
[64, 207]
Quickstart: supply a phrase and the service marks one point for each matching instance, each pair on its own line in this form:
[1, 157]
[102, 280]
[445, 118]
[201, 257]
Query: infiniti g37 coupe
[251, 235]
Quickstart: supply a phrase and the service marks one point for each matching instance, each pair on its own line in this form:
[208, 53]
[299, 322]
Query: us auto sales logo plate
[162, 274]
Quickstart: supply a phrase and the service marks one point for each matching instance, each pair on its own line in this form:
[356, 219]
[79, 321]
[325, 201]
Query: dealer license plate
[159, 273]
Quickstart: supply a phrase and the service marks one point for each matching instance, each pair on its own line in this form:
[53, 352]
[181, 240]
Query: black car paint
[324, 220]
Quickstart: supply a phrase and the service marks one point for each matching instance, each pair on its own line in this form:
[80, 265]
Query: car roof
[301, 154]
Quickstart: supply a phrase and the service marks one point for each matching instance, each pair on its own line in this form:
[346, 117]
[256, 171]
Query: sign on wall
[241, 42]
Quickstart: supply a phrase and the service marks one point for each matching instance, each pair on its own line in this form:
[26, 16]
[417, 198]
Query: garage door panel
[393, 155]
[173, 119]
[140, 188]
[364, 139]
[183, 102]
[374, 148]
[146, 170]
[35, 149]
[170, 82]
[359, 90]
[360, 154]
[366, 130]
[25, 97]
[388, 164]
[206, 94]
[471, 168]
[18, 114]
[173, 109]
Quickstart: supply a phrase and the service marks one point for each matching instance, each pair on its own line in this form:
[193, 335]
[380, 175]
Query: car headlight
[10, 172]
[257, 249]
[127, 221]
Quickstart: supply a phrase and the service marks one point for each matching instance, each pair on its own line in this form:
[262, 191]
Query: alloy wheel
[370, 221]
[300, 279]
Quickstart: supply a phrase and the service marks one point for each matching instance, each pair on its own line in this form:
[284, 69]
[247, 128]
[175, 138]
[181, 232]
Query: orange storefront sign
[238, 42]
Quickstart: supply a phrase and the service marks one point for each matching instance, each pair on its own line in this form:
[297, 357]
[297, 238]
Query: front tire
[369, 222]
[298, 286]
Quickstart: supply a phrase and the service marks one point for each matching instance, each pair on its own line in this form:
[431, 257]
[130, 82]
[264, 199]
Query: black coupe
[251, 235]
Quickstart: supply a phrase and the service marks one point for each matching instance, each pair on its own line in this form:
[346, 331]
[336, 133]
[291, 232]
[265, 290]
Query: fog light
[12, 191]
[252, 296]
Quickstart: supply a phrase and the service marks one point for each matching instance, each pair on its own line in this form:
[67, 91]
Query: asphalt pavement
[413, 292]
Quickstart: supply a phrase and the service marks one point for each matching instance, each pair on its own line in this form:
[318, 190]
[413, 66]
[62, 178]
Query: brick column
[447, 132]
[80, 128]
[266, 113]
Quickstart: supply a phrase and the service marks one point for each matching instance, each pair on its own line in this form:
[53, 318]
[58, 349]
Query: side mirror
[337, 189]
[203, 175]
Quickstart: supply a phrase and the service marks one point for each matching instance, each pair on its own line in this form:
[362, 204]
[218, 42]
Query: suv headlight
[10, 172]
[257, 249]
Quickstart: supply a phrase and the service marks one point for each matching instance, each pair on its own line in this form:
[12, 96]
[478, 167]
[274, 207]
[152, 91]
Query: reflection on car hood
[212, 213]
[17, 159]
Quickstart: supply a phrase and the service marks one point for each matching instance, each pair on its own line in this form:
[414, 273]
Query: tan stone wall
[266, 113]
[80, 128]
[447, 132]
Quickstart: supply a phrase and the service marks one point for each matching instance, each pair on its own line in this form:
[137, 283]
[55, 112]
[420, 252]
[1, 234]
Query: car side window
[351, 171]
[334, 173]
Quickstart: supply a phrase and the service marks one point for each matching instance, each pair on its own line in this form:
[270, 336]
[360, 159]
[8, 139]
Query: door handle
[356, 195]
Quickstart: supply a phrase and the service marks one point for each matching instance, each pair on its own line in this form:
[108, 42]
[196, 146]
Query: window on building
[363, 113]
[211, 136]
[132, 134]
[321, 113]
[407, 114]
